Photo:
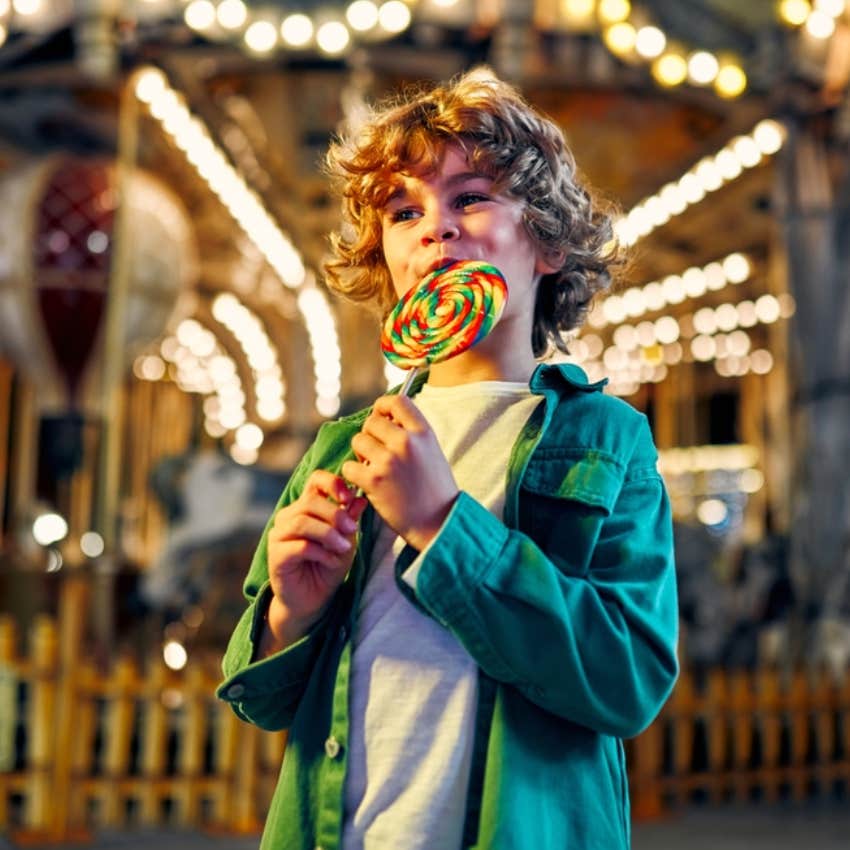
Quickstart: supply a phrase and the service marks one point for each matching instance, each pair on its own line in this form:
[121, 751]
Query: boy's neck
[479, 364]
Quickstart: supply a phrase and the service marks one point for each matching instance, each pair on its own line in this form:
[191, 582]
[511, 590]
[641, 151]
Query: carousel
[168, 347]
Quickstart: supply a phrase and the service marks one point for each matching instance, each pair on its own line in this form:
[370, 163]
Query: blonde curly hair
[505, 138]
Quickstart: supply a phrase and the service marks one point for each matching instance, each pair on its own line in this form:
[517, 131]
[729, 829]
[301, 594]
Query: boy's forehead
[426, 168]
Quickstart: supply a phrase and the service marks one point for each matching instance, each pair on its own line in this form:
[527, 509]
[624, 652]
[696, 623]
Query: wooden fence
[82, 750]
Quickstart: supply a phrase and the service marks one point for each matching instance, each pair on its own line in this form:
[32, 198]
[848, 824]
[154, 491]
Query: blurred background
[168, 349]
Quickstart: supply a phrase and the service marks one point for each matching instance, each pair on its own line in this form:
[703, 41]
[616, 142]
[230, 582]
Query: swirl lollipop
[448, 312]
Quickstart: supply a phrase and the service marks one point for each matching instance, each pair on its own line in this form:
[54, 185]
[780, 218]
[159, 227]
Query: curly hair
[503, 137]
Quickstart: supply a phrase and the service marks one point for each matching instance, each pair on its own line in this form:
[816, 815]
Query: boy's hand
[402, 470]
[310, 550]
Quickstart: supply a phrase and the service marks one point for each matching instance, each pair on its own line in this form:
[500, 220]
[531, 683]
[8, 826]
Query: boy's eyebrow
[461, 177]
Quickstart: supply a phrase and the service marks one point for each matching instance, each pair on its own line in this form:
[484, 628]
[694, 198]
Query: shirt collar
[545, 376]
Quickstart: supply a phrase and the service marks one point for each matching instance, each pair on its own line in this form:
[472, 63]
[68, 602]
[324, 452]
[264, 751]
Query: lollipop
[449, 311]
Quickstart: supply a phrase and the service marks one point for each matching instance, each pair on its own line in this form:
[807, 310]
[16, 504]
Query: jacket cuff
[469, 541]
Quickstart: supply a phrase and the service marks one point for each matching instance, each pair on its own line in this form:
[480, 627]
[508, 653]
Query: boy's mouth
[439, 264]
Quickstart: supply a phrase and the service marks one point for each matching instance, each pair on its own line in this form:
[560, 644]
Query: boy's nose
[441, 229]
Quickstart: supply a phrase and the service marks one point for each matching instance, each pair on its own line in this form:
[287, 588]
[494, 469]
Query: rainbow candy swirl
[448, 312]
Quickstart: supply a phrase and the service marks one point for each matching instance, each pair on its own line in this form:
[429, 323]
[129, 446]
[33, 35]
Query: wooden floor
[763, 828]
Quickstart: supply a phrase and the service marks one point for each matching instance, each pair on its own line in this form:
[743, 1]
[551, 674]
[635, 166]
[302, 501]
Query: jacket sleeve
[267, 692]
[592, 642]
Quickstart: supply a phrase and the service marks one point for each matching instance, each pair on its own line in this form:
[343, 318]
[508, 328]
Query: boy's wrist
[281, 629]
[422, 536]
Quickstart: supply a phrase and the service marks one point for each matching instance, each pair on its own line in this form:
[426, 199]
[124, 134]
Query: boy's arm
[596, 646]
[267, 691]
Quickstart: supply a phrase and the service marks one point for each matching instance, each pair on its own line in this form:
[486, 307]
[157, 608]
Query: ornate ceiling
[272, 117]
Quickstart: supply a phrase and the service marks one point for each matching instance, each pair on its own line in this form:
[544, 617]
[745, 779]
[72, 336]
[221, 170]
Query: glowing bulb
[199, 14]
[296, 30]
[833, 8]
[731, 81]
[820, 25]
[650, 42]
[578, 11]
[49, 528]
[794, 12]
[92, 544]
[249, 436]
[620, 38]
[737, 268]
[769, 136]
[702, 67]
[232, 14]
[261, 36]
[712, 512]
[27, 7]
[394, 16]
[612, 11]
[670, 69]
[362, 15]
[332, 37]
[747, 151]
[174, 654]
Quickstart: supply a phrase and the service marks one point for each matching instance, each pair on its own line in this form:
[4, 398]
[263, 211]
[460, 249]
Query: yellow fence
[82, 749]
[741, 736]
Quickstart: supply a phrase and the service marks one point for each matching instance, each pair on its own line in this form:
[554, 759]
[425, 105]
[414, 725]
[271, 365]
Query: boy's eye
[404, 214]
[469, 198]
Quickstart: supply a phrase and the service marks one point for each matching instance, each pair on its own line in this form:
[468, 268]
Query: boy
[458, 653]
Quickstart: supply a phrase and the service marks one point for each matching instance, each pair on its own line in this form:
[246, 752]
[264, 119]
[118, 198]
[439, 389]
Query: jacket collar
[555, 376]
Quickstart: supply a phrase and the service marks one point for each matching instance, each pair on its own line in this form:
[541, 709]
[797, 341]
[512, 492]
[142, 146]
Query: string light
[794, 12]
[642, 353]
[191, 136]
[331, 29]
[708, 175]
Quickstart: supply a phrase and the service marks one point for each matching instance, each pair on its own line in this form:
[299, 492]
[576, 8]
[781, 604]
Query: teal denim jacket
[568, 606]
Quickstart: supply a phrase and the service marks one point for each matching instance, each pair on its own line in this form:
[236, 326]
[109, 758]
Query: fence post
[190, 758]
[83, 750]
[716, 729]
[244, 812]
[770, 726]
[118, 729]
[683, 707]
[43, 649]
[154, 742]
[646, 773]
[73, 606]
[741, 701]
[227, 728]
[8, 709]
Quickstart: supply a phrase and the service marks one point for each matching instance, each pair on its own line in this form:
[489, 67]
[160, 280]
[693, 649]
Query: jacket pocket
[565, 496]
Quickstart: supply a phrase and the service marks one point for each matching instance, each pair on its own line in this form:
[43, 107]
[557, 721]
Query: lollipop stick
[408, 380]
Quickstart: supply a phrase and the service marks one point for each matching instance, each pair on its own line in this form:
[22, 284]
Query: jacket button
[235, 691]
[332, 747]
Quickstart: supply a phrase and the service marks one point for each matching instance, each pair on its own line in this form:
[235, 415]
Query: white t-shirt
[413, 687]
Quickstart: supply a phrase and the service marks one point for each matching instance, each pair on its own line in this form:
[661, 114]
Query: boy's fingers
[328, 485]
[402, 410]
[356, 508]
[305, 527]
[297, 551]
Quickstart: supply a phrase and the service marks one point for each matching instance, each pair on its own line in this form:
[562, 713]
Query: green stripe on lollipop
[418, 333]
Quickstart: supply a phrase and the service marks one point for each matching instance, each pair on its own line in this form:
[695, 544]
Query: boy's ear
[549, 260]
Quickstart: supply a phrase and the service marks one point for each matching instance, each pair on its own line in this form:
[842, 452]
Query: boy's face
[451, 214]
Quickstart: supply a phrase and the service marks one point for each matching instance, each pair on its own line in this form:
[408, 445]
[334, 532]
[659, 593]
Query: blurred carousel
[166, 334]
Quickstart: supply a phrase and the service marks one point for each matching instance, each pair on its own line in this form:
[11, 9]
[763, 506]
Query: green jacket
[568, 606]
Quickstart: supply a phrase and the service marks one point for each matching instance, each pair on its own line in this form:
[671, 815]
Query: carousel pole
[112, 373]
[74, 595]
